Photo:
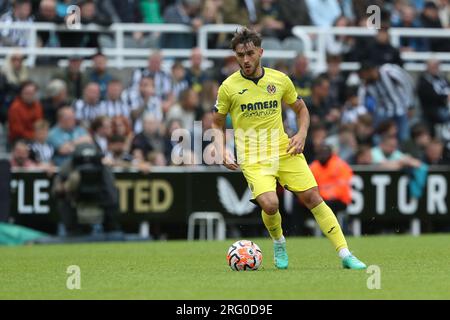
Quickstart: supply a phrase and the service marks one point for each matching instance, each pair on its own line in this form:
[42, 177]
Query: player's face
[249, 58]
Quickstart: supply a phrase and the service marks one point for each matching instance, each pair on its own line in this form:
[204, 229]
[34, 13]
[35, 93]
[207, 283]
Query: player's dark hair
[245, 35]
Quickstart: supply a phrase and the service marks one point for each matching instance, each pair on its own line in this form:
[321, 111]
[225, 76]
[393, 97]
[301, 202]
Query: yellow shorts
[292, 172]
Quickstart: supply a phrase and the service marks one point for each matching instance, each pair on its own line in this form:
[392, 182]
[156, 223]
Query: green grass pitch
[411, 268]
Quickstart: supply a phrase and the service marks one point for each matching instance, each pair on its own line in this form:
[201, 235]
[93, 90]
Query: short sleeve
[223, 101]
[290, 94]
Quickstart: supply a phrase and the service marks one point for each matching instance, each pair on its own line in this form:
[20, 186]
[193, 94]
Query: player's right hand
[230, 161]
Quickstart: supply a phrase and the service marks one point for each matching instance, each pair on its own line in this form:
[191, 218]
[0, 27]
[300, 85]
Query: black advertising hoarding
[5, 174]
[171, 196]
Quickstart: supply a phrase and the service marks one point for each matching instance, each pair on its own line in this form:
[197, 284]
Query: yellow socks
[273, 224]
[329, 225]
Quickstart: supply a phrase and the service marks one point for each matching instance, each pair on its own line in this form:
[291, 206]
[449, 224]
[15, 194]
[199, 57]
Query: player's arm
[220, 116]
[297, 142]
[225, 155]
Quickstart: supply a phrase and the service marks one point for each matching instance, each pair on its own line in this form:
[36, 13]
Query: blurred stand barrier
[168, 195]
[5, 178]
[123, 52]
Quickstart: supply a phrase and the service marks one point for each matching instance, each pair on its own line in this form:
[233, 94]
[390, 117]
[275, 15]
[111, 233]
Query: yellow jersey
[256, 113]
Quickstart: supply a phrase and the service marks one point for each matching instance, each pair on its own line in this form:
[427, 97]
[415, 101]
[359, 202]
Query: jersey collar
[255, 80]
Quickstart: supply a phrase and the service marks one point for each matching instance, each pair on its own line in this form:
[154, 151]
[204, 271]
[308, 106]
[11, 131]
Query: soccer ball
[244, 255]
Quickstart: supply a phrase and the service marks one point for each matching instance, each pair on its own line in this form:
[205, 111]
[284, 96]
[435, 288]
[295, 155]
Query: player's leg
[262, 183]
[271, 216]
[329, 225]
[295, 175]
[272, 220]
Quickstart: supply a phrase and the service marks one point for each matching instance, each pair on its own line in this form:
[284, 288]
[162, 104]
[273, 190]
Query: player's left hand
[296, 144]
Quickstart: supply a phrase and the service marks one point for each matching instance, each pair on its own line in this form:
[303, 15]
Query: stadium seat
[106, 41]
[206, 222]
[292, 43]
[271, 44]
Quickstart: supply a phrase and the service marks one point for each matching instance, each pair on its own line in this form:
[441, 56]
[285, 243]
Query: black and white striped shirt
[85, 112]
[163, 82]
[136, 101]
[112, 108]
[14, 37]
[179, 87]
[42, 152]
[393, 91]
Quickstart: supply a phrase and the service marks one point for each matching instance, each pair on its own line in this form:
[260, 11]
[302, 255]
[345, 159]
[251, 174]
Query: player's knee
[270, 206]
[311, 198]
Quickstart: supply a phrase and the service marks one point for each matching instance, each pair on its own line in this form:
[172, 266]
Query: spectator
[323, 13]
[25, 110]
[56, 98]
[341, 45]
[101, 132]
[99, 73]
[301, 76]
[333, 175]
[294, 13]
[21, 12]
[88, 108]
[118, 156]
[420, 139]
[172, 126]
[392, 89]
[127, 11]
[114, 105]
[151, 10]
[434, 153]
[345, 143]
[4, 6]
[240, 12]
[14, 74]
[212, 13]
[316, 137]
[149, 145]
[74, 78]
[430, 19]
[195, 75]
[319, 105]
[42, 152]
[380, 50]
[188, 110]
[20, 156]
[387, 155]
[229, 67]
[208, 95]
[434, 94]
[146, 102]
[179, 81]
[66, 135]
[62, 6]
[270, 20]
[121, 126]
[364, 155]
[184, 12]
[364, 130]
[352, 107]
[162, 81]
[444, 12]
[409, 20]
[89, 15]
[337, 81]
[47, 13]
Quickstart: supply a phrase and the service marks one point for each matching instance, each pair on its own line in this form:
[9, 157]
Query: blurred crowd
[273, 18]
[379, 115]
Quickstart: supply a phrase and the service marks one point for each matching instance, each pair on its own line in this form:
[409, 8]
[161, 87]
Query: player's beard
[252, 70]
